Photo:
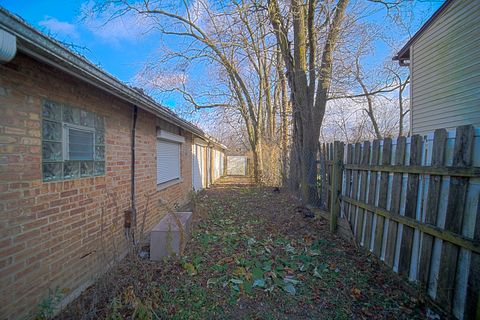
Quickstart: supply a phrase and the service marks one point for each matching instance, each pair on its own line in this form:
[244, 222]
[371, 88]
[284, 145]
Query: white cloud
[60, 28]
[110, 26]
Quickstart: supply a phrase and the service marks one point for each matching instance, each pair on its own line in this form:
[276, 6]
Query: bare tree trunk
[368, 96]
[308, 180]
[371, 115]
[402, 115]
[295, 160]
[258, 161]
[308, 90]
[402, 110]
[285, 112]
[270, 109]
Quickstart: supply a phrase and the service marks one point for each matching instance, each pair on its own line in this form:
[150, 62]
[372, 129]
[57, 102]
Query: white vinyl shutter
[168, 161]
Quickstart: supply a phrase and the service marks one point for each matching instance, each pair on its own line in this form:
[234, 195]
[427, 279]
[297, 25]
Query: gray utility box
[166, 237]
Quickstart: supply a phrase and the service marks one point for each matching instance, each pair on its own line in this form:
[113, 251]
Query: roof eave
[404, 53]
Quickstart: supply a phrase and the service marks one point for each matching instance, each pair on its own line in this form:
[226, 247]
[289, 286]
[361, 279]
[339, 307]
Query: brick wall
[62, 234]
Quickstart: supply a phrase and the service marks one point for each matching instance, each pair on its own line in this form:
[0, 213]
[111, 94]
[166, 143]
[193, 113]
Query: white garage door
[217, 164]
[236, 165]
[198, 164]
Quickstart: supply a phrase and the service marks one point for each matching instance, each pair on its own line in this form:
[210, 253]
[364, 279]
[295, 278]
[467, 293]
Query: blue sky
[122, 47]
[118, 50]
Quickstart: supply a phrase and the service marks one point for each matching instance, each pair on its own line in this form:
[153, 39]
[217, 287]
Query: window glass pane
[99, 168]
[52, 111]
[52, 151]
[86, 118]
[99, 153]
[86, 168]
[52, 171]
[52, 131]
[71, 169]
[71, 115]
[99, 122]
[80, 145]
[99, 137]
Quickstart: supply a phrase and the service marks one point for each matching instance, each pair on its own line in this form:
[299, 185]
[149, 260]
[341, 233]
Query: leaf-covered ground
[252, 256]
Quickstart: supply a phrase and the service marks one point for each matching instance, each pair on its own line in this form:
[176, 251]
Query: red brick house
[78, 148]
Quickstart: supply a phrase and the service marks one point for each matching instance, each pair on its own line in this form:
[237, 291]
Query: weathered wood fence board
[433, 200]
[414, 203]
[382, 197]
[372, 191]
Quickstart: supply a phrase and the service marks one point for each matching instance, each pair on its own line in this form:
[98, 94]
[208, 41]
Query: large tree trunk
[258, 161]
[309, 153]
[295, 152]
[270, 110]
[285, 112]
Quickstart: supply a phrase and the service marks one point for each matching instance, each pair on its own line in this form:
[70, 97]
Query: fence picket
[348, 185]
[382, 196]
[472, 300]
[371, 194]
[363, 192]
[395, 202]
[337, 162]
[356, 176]
[410, 206]
[462, 157]
[433, 199]
[329, 147]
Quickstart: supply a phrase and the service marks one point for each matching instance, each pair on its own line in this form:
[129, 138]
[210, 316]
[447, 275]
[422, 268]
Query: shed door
[236, 165]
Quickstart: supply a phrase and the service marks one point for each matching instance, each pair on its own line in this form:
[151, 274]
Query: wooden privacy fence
[414, 203]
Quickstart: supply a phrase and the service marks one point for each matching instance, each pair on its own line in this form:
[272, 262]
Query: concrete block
[166, 236]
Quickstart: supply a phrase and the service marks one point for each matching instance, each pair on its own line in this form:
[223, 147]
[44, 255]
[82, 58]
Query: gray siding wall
[445, 68]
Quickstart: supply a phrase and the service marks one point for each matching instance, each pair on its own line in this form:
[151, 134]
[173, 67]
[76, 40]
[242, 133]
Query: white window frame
[66, 139]
[172, 138]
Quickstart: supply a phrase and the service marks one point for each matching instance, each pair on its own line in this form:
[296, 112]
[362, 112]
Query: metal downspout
[132, 179]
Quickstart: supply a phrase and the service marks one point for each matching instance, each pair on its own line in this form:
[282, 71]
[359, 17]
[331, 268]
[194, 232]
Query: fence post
[337, 167]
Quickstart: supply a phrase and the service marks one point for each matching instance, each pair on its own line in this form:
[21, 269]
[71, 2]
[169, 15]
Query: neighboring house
[444, 61]
[78, 151]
